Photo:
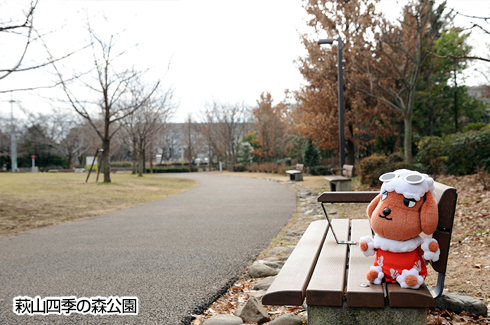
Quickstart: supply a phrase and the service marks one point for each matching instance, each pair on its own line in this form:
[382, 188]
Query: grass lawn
[29, 201]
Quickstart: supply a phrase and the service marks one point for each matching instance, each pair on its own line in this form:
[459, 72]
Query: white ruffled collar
[397, 246]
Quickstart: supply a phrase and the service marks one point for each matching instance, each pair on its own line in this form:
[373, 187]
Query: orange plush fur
[405, 223]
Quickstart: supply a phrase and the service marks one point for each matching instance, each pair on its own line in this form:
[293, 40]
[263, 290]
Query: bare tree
[144, 125]
[210, 136]
[231, 125]
[169, 142]
[112, 90]
[74, 140]
[190, 139]
[24, 36]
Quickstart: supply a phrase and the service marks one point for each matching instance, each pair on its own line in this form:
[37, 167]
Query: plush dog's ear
[372, 205]
[429, 214]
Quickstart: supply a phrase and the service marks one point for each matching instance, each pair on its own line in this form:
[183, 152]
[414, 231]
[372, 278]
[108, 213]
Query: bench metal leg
[333, 232]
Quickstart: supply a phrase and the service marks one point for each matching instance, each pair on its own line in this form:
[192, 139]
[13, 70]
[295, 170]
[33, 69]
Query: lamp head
[326, 41]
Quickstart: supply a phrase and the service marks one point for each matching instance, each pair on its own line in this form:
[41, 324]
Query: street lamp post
[340, 96]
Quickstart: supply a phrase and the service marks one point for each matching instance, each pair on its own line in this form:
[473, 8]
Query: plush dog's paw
[366, 245]
[375, 275]
[410, 279]
[430, 246]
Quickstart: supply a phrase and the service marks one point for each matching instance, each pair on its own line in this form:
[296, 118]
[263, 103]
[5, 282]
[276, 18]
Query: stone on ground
[224, 320]
[264, 284]
[458, 304]
[253, 312]
[287, 319]
[260, 270]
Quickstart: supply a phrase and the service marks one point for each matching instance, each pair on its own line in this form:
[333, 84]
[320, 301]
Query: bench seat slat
[289, 287]
[409, 298]
[371, 296]
[326, 287]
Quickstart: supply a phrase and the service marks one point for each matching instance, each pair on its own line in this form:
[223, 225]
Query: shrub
[253, 168]
[121, 164]
[285, 161]
[238, 168]
[267, 167]
[320, 170]
[311, 155]
[457, 154]
[374, 166]
[430, 155]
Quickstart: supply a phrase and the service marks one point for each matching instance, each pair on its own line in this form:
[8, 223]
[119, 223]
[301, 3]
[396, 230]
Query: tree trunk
[68, 163]
[144, 158]
[189, 158]
[134, 158]
[431, 106]
[151, 161]
[407, 118]
[455, 100]
[351, 154]
[106, 168]
[141, 159]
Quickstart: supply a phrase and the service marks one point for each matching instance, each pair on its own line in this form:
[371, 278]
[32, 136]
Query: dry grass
[29, 201]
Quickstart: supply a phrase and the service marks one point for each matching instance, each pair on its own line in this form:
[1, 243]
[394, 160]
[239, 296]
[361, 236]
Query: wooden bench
[332, 278]
[297, 173]
[339, 182]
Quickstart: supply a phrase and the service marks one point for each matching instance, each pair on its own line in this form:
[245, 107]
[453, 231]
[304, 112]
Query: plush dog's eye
[409, 203]
[384, 195]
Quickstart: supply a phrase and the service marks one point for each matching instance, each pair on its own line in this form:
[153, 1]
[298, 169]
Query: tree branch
[452, 56]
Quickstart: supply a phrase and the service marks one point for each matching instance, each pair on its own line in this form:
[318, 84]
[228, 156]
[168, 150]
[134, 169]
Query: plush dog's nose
[386, 212]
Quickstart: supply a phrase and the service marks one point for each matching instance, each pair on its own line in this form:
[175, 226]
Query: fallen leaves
[438, 317]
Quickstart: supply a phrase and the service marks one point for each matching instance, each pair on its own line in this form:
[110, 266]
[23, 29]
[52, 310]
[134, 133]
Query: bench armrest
[347, 197]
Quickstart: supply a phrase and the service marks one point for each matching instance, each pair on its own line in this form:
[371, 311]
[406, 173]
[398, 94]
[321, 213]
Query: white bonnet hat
[411, 184]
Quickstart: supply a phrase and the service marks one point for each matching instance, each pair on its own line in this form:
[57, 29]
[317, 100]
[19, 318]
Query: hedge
[457, 154]
[319, 170]
[171, 170]
[374, 166]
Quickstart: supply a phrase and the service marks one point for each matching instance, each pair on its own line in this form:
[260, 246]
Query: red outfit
[394, 263]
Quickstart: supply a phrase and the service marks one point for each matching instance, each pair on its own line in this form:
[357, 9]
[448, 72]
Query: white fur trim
[381, 275]
[397, 246]
[369, 241]
[409, 191]
[428, 255]
[401, 279]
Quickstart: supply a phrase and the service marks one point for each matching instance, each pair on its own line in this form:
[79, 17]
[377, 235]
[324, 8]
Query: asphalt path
[176, 255]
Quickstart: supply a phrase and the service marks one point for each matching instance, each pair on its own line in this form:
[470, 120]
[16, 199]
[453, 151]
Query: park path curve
[176, 254]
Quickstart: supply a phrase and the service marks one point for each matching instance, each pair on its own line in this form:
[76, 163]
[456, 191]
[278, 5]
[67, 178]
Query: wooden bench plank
[409, 298]
[326, 287]
[358, 294]
[289, 287]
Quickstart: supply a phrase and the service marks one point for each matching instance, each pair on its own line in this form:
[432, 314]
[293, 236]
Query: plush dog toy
[405, 207]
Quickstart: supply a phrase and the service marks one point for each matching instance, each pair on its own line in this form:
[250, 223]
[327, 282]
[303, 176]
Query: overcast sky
[227, 50]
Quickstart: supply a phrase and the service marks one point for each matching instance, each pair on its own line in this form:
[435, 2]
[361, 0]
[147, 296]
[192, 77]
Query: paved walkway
[176, 254]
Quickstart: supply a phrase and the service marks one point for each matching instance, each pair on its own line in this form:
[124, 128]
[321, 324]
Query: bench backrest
[349, 170]
[300, 167]
[446, 198]
[346, 170]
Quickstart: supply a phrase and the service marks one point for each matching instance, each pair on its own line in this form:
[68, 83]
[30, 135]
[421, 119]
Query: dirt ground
[468, 271]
